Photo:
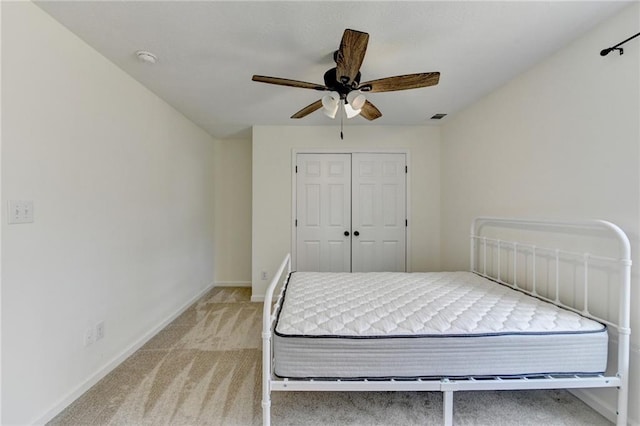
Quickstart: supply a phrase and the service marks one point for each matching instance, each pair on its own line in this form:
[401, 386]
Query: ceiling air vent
[438, 116]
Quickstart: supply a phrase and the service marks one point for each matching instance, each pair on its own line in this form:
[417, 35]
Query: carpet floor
[205, 369]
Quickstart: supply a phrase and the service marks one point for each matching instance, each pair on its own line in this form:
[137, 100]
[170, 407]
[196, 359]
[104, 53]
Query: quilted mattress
[443, 324]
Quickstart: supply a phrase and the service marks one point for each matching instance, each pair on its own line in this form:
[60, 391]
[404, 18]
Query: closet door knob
[346, 233]
[356, 233]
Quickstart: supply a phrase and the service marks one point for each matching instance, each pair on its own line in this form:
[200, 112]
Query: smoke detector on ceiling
[147, 57]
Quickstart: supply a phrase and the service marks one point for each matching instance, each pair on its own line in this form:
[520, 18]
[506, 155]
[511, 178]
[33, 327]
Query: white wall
[233, 212]
[560, 141]
[272, 150]
[123, 233]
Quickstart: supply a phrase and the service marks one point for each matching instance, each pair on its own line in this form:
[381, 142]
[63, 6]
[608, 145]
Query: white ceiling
[208, 51]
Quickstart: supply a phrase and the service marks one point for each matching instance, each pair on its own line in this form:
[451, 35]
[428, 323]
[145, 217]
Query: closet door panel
[379, 213]
[323, 210]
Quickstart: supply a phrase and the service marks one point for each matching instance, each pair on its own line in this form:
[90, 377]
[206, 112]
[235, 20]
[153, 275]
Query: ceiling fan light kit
[343, 82]
[353, 103]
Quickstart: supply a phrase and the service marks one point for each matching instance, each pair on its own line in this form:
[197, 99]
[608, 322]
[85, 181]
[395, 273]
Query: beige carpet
[204, 369]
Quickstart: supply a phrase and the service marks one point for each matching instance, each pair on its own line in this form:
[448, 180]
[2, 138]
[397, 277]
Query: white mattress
[453, 324]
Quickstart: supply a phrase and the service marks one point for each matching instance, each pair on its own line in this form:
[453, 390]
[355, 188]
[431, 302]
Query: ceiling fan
[343, 82]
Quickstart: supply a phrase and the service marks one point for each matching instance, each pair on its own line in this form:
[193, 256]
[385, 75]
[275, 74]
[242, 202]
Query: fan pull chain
[341, 125]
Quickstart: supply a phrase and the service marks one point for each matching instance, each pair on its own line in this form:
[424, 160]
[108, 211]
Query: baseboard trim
[596, 403]
[255, 298]
[111, 365]
[602, 407]
[607, 409]
[233, 284]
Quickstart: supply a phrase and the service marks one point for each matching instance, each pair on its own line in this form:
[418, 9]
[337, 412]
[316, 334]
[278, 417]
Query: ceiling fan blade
[308, 109]
[370, 112]
[350, 55]
[288, 82]
[401, 82]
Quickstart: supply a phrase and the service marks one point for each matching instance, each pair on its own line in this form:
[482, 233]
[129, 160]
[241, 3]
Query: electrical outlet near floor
[99, 330]
[263, 275]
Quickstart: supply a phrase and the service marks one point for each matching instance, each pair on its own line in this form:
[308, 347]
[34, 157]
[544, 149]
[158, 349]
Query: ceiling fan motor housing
[331, 81]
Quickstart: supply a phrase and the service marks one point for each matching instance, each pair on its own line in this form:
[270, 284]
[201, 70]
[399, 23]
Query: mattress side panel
[514, 355]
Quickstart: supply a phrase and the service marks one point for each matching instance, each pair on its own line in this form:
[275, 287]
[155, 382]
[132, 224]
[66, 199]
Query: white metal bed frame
[448, 386]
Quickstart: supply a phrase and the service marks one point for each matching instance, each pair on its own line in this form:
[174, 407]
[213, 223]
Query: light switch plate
[20, 211]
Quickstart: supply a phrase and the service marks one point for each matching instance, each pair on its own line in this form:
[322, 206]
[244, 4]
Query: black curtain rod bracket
[605, 52]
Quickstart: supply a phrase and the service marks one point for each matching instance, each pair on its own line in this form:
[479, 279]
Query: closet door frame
[294, 155]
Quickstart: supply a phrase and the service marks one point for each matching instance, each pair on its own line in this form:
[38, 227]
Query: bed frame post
[624, 333]
[447, 407]
[472, 246]
[266, 376]
[623, 390]
[624, 322]
[267, 323]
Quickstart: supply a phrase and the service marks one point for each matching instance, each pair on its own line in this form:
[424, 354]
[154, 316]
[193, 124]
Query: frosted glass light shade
[330, 104]
[350, 111]
[356, 99]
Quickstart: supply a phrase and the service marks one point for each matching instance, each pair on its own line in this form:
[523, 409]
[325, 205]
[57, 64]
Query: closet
[350, 212]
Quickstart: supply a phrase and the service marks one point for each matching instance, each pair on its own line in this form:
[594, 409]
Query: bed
[522, 317]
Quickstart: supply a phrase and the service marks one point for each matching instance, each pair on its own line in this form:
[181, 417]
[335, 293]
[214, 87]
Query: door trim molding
[294, 154]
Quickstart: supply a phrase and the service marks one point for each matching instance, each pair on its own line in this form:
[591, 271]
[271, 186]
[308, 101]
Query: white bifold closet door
[378, 216]
[351, 212]
[323, 210]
